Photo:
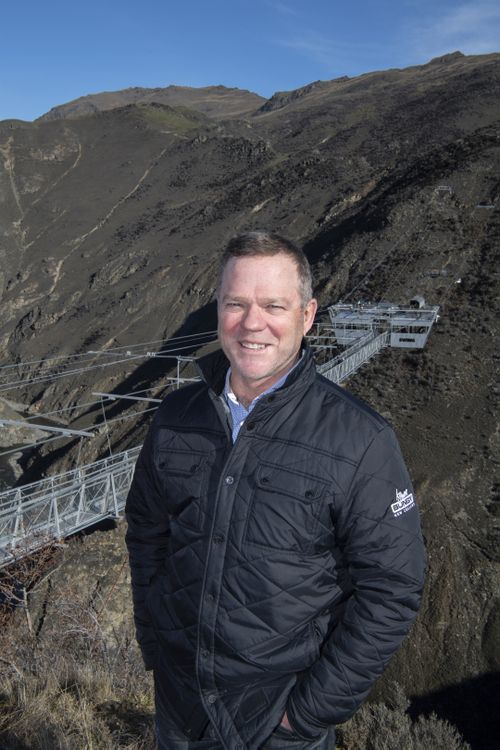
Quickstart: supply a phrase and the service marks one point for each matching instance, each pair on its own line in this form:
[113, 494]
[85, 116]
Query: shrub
[69, 681]
[389, 727]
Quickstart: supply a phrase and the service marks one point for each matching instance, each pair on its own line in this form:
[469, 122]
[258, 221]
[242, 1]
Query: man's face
[261, 319]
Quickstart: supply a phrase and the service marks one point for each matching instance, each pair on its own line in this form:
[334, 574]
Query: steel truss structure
[51, 509]
[345, 364]
[37, 514]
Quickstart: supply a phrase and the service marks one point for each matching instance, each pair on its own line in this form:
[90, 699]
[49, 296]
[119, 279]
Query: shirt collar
[231, 397]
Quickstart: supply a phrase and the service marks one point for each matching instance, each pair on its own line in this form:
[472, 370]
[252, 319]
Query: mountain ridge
[220, 101]
[217, 101]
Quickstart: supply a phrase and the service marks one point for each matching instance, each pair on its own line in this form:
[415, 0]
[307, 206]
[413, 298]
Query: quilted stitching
[234, 595]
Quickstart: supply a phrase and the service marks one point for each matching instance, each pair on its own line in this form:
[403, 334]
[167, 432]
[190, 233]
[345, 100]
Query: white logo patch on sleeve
[404, 501]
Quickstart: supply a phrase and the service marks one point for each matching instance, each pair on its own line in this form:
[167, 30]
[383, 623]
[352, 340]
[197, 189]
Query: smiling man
[273, 571]
[264, 313]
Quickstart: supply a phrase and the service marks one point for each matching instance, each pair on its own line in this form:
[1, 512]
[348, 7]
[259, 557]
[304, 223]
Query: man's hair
[264, 244]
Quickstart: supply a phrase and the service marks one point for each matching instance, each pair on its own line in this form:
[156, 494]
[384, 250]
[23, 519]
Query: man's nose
[253, 319]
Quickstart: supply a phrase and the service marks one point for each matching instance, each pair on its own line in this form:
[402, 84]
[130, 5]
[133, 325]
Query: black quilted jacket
[280, 572]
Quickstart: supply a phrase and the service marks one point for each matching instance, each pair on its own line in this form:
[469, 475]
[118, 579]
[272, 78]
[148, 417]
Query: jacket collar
[213, 368]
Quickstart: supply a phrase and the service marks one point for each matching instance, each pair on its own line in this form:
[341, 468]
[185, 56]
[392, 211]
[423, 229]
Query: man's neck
[246, 393]
[244, 400]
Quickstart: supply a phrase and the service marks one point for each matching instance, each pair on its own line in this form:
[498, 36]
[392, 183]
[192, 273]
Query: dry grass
[389, 727]
[71, 676]
[67, 683]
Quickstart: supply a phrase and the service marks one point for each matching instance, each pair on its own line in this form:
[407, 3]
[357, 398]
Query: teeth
[253, 346]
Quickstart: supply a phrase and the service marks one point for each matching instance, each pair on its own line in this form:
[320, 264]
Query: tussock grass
[80, 710]
[69, 682]
[72, 678]
[388, 726]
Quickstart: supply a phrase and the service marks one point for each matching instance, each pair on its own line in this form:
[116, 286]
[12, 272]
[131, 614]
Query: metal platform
[408, 327]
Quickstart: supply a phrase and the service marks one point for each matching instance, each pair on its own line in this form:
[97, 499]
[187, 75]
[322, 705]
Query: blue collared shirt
[239, 412]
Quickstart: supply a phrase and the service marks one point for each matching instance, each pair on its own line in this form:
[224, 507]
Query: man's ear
[309, 314]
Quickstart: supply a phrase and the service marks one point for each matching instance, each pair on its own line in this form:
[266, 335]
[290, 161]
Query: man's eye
[233, 304]
[275, 307]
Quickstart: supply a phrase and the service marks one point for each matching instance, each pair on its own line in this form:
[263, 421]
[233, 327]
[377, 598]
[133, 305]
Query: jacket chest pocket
[283, 509]
[183, 475]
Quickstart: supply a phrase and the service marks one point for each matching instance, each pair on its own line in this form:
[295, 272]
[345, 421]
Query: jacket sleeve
[147, 533]
[377, 527]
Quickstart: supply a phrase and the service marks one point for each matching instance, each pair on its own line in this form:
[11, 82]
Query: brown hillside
[111, 225]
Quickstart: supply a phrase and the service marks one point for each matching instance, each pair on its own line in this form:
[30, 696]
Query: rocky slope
[110, 227]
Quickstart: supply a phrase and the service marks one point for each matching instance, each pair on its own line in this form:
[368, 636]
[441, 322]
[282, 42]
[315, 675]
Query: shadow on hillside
[471, 706]
[200, 321]
[197, 322]
[11, 742]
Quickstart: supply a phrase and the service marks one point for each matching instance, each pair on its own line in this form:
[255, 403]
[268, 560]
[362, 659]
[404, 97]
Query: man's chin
[254, 367]
[255, 376]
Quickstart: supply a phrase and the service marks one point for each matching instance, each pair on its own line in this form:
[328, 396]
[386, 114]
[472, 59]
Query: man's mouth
[251, 345]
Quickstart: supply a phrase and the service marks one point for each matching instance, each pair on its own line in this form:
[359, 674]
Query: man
[275, 568]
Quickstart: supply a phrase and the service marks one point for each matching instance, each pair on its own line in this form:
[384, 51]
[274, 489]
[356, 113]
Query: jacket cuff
[301, 727]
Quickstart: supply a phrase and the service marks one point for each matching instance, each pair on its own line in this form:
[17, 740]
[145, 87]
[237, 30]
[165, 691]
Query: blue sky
[57, 50]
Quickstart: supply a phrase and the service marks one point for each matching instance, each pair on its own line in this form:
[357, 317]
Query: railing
[53, 508]
[345, 364]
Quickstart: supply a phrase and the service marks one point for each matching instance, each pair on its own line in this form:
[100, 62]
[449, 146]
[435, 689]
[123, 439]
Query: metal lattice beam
[51, 509]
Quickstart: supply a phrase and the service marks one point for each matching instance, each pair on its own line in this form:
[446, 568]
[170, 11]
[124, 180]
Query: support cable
[21, 448]
[107, 428]
[97, 402]
[130, 416]
[80, 443]
[60, 411]
[116, 348]
[166, 354]
[43, 427]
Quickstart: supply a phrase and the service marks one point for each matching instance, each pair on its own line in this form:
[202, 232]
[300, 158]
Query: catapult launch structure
[37, 514]
[366, 329]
